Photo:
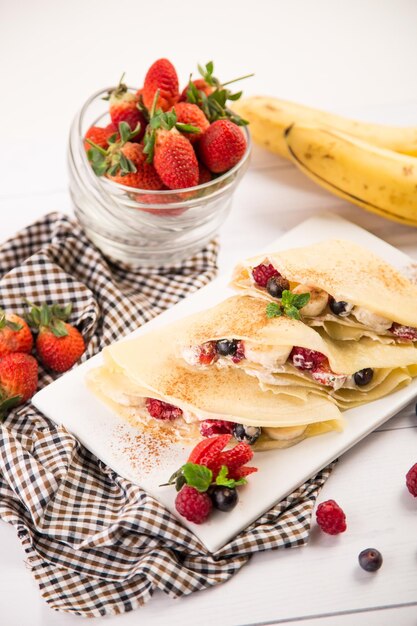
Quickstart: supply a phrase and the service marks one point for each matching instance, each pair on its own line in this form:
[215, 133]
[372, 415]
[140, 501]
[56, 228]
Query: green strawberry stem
[7, 404]
[102, 151]
[235, 80]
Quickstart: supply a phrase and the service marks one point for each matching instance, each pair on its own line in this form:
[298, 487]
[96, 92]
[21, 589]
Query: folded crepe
[280, 351]
[353, 292]
[145, 373]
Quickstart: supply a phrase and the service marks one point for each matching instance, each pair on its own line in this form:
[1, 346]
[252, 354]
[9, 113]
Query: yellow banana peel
[379, 180]
[270, 117]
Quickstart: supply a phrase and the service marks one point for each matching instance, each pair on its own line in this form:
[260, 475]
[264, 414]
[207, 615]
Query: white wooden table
[356, 58]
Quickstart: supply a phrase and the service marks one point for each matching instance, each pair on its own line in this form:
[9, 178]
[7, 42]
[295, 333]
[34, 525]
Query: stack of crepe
[293, 378]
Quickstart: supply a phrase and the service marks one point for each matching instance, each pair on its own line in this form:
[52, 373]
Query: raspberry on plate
[194, 505]
[331, 518]
[411, 480]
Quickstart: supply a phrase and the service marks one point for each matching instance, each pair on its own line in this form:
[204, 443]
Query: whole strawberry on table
[160, 138]
[58, 346]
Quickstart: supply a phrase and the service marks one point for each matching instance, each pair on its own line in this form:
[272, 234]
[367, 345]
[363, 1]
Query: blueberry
[276, 285]
[248, 434]
[340, 307]
[224, 347]
[224, 498]
[370, 559]
[363, 377]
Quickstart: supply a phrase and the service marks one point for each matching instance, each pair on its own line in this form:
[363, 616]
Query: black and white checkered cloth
[96, 543]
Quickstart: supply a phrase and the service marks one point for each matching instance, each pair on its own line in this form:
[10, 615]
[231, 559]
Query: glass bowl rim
[158, 192]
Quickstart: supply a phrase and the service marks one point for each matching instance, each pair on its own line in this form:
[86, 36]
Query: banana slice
[316, 304]
[286, 433]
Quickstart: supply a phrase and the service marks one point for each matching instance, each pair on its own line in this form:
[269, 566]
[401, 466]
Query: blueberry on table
[224, 347]
[224, 498]
[370, 559]
[363, 377]
[248, 434]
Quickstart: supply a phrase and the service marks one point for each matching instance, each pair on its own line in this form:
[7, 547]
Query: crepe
[278, 352]
[149, 367]
[381, 302]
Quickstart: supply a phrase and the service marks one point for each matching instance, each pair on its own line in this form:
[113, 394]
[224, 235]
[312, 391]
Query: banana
[269, 117]
[379, 180]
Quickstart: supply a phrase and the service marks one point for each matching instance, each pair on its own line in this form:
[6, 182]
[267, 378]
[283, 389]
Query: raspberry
[331, 518]
[411, 480]
[404, 332]
[240, 353]
[262, 273]
[208, 353]
[306, 359]
[193, 505]
[208, 428]
[162, 410]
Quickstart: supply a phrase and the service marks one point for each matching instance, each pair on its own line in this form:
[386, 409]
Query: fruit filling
[404, 332]
[210, 351]
[263, 272]
[266, 276]
[162, 410]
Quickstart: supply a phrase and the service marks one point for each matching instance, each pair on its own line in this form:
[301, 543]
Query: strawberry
[204, 175]
[199, 84]
[207, 449]
[191, 114]
[145, 176]
[236, 457]
[99, 136]
[171, 153]
[18, 379]
[58, 344]
[175, 160]
[15, 335]
[242, 472]
[222, 146]
[161, 77]
[124, 107]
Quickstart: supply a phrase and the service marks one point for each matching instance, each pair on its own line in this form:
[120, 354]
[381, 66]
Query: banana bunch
[371, 165]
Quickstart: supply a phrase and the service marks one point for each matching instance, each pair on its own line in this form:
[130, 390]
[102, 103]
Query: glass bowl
[142, 227]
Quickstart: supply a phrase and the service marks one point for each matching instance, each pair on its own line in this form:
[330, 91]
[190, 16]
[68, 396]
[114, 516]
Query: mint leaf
[273, 310]
[198, 476]
[228, 482]
[292, 302]
[286, 297]
[300, 300]
[292, 312]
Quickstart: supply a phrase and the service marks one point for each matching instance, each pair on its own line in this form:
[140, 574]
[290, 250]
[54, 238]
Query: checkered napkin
[96, 543]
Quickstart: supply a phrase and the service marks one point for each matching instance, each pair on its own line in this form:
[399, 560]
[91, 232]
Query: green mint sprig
[290, 305]
[201, 477]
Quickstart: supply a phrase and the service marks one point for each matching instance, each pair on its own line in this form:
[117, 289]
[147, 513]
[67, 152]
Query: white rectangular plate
[67, 401]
